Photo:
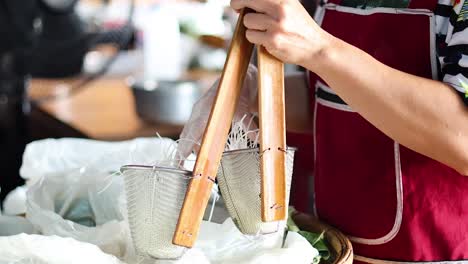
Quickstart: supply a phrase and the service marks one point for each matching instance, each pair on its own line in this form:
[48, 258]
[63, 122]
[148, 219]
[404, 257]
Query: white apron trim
[399, 208]
[398, 176]
[319, 14]
[314, 130]
[432, 48]
[324, 87]
[333, 105]
[377, 10]
[321, 10]
[379, 261]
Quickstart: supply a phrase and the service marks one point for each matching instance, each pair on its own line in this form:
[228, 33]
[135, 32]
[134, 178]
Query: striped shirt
[451, 18]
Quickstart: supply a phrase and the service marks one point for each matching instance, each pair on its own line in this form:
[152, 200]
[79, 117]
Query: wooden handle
[272, 136]
[214, 139]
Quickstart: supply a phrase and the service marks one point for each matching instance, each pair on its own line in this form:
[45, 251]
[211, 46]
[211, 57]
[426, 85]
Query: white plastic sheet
[15, 201]
[75, 189]
[37, 249]
[13, 225]
[227, 245]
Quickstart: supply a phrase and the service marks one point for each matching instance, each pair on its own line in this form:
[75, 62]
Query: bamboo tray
[339, 245]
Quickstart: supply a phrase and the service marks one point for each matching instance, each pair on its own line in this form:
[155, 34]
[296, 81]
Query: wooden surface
[272, 136]
[103, 109]
[214, 139]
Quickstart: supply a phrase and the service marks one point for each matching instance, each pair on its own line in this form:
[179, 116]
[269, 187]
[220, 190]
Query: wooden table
[103, 109]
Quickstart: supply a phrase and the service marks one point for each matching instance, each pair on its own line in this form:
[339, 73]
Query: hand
[284, 28]
[190, 138]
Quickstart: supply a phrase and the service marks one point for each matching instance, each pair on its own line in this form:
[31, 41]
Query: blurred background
[107, 70]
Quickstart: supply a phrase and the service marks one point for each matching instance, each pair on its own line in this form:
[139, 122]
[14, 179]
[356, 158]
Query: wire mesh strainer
[154, 199]
[239, 181]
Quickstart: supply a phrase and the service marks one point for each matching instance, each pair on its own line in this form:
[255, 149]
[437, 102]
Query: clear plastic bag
[75, 188]
[66, 205]
[49, 156]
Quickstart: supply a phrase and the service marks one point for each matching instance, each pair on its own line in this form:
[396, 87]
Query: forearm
[421, 114]
[297, 99]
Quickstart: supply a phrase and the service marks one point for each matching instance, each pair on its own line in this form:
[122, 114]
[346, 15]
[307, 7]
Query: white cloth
[37, 249]
[15, 201]
[13, 225]
[227, 245]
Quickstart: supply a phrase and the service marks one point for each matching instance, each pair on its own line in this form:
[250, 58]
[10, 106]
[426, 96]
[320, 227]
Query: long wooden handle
[214, 139]
[272, 136]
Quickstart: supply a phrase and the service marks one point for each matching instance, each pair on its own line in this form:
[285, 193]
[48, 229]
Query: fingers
[263, 25]
[258, 21]
[258, 6]
[256, 37]
[269, 7]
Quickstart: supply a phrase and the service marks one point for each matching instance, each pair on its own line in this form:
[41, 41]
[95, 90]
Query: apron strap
[413, 4]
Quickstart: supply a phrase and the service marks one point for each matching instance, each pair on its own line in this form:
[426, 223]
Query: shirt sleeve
[452, 37]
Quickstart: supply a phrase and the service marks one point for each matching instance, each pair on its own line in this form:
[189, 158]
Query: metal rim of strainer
[248, 150]
[184, 173]
[187, 173]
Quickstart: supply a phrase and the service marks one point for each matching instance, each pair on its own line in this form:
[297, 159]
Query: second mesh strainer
[239, 181]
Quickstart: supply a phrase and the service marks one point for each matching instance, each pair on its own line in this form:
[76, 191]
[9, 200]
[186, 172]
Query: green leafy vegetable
[316, 240]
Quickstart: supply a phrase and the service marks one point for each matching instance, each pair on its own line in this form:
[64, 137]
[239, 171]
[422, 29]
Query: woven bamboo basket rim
[339, 245]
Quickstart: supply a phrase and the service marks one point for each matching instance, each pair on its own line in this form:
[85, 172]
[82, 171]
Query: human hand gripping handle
[286, 30]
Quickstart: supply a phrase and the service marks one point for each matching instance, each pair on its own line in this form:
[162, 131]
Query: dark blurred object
[14, 108]
[311, 5]
[61, 44]
[40, 38]
[64, 40]
[18, 34]
[18, 31]
[59, 5]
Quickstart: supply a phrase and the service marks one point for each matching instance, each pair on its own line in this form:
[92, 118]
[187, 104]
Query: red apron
[393, 203]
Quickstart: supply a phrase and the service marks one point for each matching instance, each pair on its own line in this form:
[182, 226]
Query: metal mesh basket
[239, 181]
[154, 199]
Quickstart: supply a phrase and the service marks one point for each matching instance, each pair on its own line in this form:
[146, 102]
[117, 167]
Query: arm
[424, 115]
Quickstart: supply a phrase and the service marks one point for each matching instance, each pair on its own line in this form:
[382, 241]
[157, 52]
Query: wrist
[326, 57]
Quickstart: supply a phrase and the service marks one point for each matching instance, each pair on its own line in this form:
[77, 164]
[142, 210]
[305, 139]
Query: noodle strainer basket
[239, 180]
[155, 195]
